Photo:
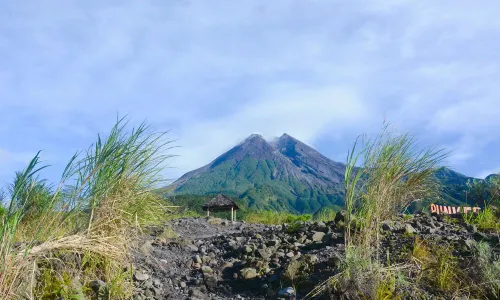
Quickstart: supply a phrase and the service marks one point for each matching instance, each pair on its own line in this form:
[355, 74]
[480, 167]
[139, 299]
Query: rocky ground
[217, 259]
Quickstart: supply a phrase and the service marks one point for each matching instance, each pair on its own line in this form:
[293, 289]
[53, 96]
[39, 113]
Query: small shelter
[221, 203]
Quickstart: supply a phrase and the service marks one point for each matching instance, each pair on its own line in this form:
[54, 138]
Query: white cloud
[218, 71]
[484, 173]
[302, 112]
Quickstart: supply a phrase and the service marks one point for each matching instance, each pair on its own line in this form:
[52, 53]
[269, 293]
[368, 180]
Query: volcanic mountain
[286, 175]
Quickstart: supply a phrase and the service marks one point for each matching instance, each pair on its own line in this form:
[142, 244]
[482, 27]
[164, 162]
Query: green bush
[324, 214]
[275, 218]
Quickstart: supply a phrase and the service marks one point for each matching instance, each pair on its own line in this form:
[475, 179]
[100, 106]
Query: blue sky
[214, 72]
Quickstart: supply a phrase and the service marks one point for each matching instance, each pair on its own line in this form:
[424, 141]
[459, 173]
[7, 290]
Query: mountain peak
[286, 136]
[255, 136]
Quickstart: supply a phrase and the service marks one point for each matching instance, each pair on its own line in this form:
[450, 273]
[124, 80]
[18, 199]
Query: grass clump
[78, 231]
[439, 268]
[395, 172]
[324, 214]
[487, 270]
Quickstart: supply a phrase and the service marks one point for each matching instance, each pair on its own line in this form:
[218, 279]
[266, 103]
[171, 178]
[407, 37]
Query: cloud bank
[215, 72]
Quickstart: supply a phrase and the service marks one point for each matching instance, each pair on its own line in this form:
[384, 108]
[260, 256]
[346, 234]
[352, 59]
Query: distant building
[221, 203]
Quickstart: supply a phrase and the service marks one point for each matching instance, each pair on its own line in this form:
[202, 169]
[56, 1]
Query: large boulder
[248, 273]
[340, 216]
[318, 236]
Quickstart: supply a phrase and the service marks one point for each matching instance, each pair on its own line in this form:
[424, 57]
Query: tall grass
[104, 197]
[394, 173]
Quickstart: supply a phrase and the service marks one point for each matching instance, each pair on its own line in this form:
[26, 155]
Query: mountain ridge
[285, 174]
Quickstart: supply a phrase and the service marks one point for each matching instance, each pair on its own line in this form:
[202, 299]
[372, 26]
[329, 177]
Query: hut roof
[220, 202]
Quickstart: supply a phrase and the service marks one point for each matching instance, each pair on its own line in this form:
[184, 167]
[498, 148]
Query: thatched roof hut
[221, 203]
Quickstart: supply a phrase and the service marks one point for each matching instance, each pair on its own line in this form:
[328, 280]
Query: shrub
[85, 227]
[275, 218]
[324, 214]
[439, 268]
[488, 266]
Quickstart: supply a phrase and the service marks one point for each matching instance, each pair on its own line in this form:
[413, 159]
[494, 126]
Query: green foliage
[275, 218]
[439, 267]
[324, 214]
[3, 211]
[487, 219]
[484, 192]
[297, 271]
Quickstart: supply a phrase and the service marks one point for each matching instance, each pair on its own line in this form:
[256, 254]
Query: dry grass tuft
[91, 221]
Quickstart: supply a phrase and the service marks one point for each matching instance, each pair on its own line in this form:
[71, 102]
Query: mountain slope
[286, 175]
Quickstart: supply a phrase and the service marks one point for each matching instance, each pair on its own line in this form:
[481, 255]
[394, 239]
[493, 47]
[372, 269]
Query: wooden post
[232, 212]
[235, 215]
[208, 212]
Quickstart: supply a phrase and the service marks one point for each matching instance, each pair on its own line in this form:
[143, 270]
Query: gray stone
[197, 259]
[146, 248]
[248, 273]
[157, 291]
[210, 281]
[157, 282]
[206, 270]
[290, 254]
[148, 283]
[409, 229]
[196, 266]
[247, 249]
[318, 236]
[288, 292]
[470, 244]
[234, 245]
[264, 253]
[340, 216]
[139, 276]
[192, 248]
[226, 266]
[183, 284]
[197, 294]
